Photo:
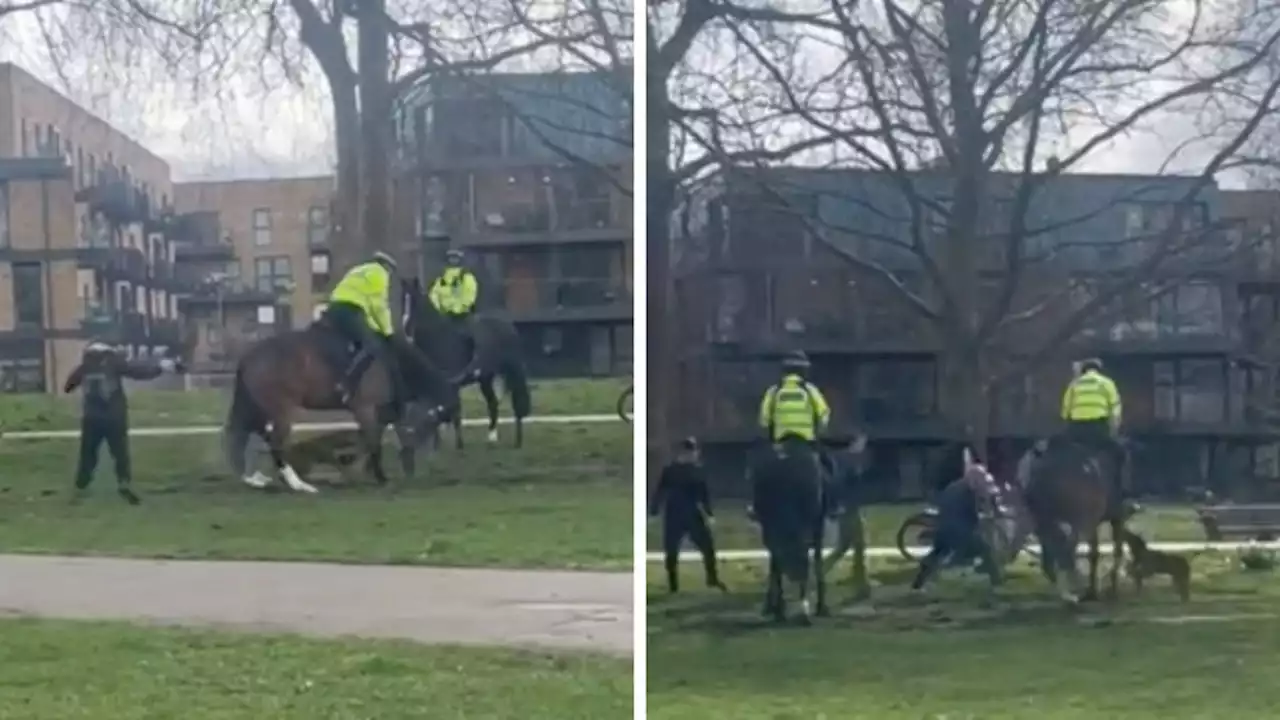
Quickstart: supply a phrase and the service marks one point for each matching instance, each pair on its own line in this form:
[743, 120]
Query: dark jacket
[681, 492]
[101, 377]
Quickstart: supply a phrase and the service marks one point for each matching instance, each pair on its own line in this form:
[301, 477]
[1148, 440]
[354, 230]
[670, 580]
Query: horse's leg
[775, 605]
[858, 533]
[844, 541]
[1092, 592]
[1117, 557]
[457, 429]
[408, 451]
[491, 404]
[371, 433]
[819, 578]
[278, 441]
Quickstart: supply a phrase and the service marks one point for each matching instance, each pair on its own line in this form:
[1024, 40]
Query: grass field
[106, 671]
[209, 407]
[564, 500]
[711, 657]
[734, 531]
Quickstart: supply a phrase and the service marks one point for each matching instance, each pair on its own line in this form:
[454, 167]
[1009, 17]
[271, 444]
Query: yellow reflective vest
[367, 287]
[454, 292]
[1092, 396]
[794, 407]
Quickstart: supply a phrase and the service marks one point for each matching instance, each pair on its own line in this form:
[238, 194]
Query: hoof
[130, 497]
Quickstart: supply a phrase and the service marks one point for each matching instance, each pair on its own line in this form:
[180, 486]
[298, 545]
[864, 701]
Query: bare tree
[971, 114]
[366, 54]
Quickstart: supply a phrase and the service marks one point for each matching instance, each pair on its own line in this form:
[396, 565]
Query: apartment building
[86, 244]
[259, 256]
[530, 175]
[755, 279]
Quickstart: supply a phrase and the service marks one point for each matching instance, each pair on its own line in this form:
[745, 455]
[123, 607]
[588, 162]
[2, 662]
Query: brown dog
[339, 449]
[1145, 563]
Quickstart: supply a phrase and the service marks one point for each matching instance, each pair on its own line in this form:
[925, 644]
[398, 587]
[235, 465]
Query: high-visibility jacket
[455, 291]
[368, 287]
[1092, 396]
[794, 407]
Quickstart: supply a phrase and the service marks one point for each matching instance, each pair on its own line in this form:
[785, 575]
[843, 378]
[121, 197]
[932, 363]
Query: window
[273, 274]
[1201, 391]
[320, 271]
[898, 390]
[1190, 391]
[4, 215]
[26, 138]
[262, 226]
[1191, 309]
[28, 294]
[317, 225]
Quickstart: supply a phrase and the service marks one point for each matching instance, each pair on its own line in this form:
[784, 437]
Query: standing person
[850, 468]
[684, 502]
[105, 413]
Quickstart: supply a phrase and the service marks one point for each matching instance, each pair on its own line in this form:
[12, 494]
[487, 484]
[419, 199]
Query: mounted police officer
[455, 291]
[360, 310]
[1092, 410]
[105, 413]
[793, 412]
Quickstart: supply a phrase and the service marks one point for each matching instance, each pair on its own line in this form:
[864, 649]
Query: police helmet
[453, 255]
[689, 444]
[1091, 364]
[796, 360]
[384, 259]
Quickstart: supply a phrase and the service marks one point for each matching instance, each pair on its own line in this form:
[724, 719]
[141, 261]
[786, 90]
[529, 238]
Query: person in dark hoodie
[105, 413]
[685, 505]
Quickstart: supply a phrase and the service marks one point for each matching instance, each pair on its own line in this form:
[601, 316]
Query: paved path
[576, 610]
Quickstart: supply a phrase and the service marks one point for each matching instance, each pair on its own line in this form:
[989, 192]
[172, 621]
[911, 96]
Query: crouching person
[957, 536]
[683, 501]
[105, 413]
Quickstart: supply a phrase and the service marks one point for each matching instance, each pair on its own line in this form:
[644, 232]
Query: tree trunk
[345, 245]
[660, 199]
[375, 128]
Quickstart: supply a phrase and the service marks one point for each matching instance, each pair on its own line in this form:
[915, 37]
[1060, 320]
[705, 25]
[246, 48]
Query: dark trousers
[350, 322]
[956, 539]
[1096, 435]
[832, 488]
[676, 527]
[93, 432]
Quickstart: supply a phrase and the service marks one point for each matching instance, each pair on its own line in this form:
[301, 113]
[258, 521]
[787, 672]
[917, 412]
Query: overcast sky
[247, 130]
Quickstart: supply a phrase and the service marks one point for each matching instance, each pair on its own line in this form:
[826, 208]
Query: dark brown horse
[492, 350]
[1069, 496]
[294, 371]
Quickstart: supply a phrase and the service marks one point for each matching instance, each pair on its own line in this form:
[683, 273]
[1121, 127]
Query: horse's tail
[516, 379]
[244, 418]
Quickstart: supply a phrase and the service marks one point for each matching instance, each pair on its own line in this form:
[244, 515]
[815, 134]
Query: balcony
[819, 309]
[210, 292]
[563, 300]
[114, 262]
[166, 331]
[118, 201]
